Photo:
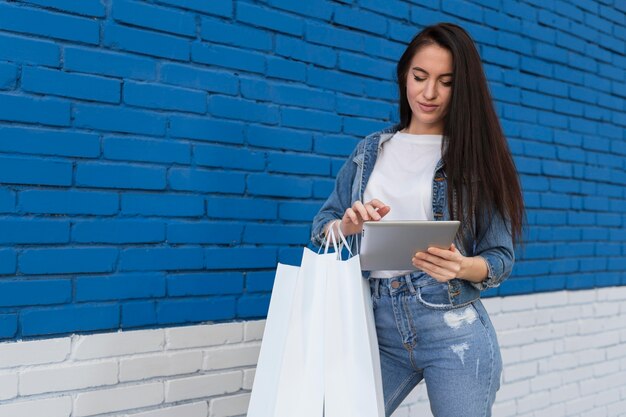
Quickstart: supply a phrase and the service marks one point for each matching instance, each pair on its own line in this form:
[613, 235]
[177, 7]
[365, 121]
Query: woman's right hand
[355, 216]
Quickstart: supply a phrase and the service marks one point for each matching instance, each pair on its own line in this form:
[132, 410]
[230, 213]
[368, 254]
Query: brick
[131, 149]
[204, 284]
[206, 129]
[203, 386]
[502, 21]
[198, 409]
[199, 79]
[67, 260]
[260, 281]
[195, 310]
[54, 25]
[222, 8]
[118, 344]
[8, 261]
[297, 164]
[119, 287]
[228, 57]
[235, 34]
[464, 10]
[160, 204]
[138, 313]
[113, 64]
[118, 175]
[317, 8]
[334, 36]
[339, 81]
[278, 138]
[276, 234]
[156, 18]
[58, 406]
[68, 202]
[361, 107]
[145, 42]
[8, 76]
[230, 405]
[92, 8]
[67, 319]
[298, 211]
[204, 335]
[253, 305]
[118, 231]
[366, 66]
[283, 68]
[68, 377]
[284, 93]
[8, 330]
[360, 19]
[33, 231]
[117, 399]
[278, 185]
[150, 366]
[206, 181]
[204, 232]
[33, 171]
[311, 120]
[64, 84]
[49, 142]
[302, 51]
[35, 292]
[337, 145]
[162, 97]
[241, 208]
[34, 110]
[161, 258]
[240, 257]
[238, 109]
[228, 157]
[119, 119]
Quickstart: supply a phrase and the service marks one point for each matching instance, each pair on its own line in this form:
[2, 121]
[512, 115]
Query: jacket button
[395, 284]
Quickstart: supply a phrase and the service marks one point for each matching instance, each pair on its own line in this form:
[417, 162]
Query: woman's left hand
[441, 264]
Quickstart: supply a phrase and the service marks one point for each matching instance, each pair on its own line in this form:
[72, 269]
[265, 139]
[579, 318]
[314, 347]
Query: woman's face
[429, 88]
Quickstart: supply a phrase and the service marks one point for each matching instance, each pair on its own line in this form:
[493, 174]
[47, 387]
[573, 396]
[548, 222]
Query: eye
[447, 84]
[418, 78]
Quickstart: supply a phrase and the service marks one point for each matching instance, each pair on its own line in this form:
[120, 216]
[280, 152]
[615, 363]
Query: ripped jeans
[422, 336]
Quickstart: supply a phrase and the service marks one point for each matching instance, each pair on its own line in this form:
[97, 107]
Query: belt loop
[376, 287]
[409, 283]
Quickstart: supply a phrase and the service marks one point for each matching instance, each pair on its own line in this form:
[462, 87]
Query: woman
[446, 159]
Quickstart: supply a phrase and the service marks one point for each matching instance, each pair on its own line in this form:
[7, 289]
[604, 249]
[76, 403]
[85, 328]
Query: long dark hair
[480, 171]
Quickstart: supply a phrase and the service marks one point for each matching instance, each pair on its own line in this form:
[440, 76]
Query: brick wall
[158, 158]
[564, 355]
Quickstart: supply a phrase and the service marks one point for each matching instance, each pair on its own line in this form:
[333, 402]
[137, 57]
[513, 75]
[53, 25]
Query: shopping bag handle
[336, 245]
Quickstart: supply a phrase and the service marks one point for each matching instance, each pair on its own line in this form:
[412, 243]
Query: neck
[423, 129]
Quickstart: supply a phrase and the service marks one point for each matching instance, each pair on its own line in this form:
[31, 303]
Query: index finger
[377, 203]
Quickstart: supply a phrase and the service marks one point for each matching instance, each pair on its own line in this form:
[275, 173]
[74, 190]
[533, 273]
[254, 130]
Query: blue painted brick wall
[157, 158]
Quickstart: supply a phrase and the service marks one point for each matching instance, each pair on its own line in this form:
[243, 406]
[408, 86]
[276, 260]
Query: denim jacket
[494, 244]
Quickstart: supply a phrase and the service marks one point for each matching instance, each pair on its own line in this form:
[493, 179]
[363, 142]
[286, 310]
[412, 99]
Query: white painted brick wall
[564, 355]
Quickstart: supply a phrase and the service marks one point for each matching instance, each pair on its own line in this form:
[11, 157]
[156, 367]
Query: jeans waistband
[411, 281]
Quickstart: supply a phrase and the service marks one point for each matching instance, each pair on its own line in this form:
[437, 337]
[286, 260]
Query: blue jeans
[422, 336]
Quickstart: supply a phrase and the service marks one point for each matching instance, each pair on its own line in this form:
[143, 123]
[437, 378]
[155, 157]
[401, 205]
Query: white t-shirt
[402, 179]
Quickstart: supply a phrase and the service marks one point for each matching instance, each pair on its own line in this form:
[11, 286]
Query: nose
[430, 90]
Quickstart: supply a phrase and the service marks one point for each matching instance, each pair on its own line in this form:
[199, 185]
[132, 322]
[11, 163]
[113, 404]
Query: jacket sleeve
[495, 245]
[338, 201]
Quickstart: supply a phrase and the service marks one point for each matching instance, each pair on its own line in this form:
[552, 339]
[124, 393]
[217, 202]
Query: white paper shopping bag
[263, 396]
[353, 383]
[319, 353]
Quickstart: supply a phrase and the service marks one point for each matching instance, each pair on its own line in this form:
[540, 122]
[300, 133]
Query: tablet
[390, 245]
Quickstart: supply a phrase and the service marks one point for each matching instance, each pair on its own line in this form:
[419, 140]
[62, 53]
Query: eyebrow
[423, 70]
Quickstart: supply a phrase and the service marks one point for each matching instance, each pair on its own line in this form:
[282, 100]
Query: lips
[426, 107]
